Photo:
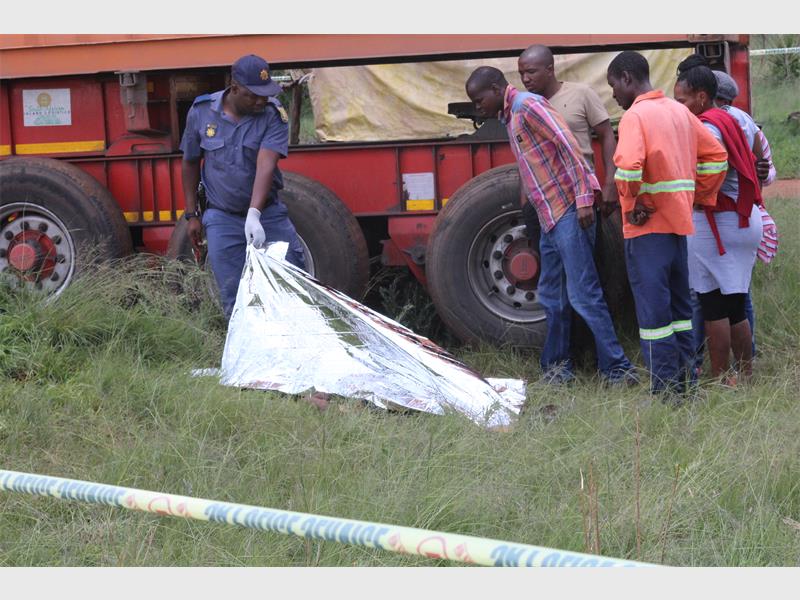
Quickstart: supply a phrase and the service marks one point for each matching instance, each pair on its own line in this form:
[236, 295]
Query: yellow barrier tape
[392, 538]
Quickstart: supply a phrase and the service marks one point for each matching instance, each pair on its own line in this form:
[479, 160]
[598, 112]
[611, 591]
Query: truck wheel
[610, 263]
[334, 247]
[336, 251]
[611, 266]
[482, 271]
[180, 249]
[55, 221]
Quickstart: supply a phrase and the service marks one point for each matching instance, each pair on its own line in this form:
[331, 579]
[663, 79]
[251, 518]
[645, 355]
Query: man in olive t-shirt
[581, 108]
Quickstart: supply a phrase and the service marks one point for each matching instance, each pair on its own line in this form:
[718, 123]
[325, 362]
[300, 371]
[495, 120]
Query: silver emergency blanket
[291, 333]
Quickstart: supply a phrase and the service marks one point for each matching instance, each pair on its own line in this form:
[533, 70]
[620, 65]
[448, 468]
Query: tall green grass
[96, 386]
[773, 102]
[775, 87]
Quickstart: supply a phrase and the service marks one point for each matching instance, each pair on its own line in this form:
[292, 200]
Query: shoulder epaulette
[276, 104]
[203, 98]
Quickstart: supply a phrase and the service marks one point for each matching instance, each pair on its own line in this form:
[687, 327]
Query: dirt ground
[783, 188]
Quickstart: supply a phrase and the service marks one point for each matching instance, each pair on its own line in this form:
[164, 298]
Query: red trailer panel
[45, 55]
[5, 121]
[113, 105]
[58, 116]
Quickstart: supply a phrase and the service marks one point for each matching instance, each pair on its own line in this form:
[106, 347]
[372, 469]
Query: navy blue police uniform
[229, 150]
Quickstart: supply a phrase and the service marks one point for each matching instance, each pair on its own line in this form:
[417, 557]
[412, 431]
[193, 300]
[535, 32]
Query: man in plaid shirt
[561, 186]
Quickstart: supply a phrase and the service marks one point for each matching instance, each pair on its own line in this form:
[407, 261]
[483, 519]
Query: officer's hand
[253, 231]
[762, 168]
[194, 229]
[586, 216]
[610, 201]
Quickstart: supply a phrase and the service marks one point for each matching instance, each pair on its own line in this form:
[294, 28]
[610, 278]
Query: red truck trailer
[90, 166]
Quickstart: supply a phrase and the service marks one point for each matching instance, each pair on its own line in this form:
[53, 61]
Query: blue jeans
[568, 281]
[227, 246]
[699, 327]
[659, 277]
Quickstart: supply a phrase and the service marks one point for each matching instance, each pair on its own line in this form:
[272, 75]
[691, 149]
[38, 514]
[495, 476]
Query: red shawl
[740, 158]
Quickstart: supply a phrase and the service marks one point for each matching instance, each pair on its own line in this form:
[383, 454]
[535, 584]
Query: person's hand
[610, 199]
[194, 229]
[762, 168]
[253, 231]
[531, 220]
[640, 214]
[586, 216]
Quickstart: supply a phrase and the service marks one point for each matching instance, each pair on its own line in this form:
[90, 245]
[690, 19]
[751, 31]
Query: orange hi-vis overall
[666, 160]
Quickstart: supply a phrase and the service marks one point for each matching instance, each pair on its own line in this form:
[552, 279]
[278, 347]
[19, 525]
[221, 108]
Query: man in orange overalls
[666, 162]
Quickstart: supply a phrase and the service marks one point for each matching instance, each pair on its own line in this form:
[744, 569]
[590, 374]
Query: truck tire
[611, 266]
[180, 248]
[55, 222]
[335, 249]
[470, 267]
[480, 266]
[610, 263]
[330, 234]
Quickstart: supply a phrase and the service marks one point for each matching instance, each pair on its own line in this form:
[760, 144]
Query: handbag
[768, 247]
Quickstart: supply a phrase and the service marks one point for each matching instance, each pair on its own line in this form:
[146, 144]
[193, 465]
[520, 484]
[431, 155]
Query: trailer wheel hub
[35, 247]
[32, 254]
[503, 269]
[25, 256]
[523, 266]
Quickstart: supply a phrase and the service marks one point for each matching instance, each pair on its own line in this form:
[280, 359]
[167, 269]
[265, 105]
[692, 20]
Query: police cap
[253, 73]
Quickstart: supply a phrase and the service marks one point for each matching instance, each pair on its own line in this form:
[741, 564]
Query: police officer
[240, 132]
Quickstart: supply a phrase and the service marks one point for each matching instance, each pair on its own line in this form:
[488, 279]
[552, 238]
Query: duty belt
[239, 213]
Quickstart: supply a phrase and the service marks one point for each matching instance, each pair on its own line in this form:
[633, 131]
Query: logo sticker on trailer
[419, 191]
[45, 108]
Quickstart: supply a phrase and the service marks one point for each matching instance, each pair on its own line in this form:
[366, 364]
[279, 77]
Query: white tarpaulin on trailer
[409, 101]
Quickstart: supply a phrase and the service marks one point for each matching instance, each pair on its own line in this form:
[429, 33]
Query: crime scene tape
[392, 538]
[771, 51]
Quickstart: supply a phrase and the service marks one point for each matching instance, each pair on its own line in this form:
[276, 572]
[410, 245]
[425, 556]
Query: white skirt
[730, 272]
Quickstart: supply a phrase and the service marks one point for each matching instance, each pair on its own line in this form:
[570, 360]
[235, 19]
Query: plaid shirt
[551, 166]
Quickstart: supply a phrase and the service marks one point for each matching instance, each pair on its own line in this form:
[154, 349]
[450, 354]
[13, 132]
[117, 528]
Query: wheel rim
[308, 257]
[503, 270]
[36, 248]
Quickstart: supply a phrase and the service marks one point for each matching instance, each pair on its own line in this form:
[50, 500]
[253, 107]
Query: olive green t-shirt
[582, 109]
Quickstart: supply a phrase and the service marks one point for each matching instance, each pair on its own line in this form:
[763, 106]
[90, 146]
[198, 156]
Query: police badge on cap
[253, 73]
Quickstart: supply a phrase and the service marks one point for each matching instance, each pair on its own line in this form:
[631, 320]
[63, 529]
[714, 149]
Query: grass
[772, 104]
[775, 89]
[95, 386]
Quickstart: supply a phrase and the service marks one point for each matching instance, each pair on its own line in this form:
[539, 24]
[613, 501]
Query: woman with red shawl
[723, 249]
